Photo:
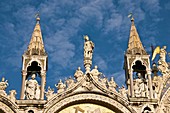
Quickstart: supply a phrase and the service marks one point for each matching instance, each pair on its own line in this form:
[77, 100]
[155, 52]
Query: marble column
[150, 84]
[43, 80]
[131, 83]
[24, 74]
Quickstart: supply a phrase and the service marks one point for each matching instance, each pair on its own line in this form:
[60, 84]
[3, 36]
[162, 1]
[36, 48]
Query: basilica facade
[90, 91]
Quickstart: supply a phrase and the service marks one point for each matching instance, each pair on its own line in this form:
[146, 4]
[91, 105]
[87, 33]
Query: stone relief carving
[3, 86]
[88, 84]
[32, 90]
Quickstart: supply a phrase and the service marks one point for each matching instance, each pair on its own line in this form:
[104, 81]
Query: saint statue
[88, 47]
[112, 85]
[95, 73]
[78, 74]
[140, 88]
[32, 88]
[123, 91]
[61, 87]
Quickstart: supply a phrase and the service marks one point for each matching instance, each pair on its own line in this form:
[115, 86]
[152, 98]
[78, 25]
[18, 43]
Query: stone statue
[32, 88]
[50, 93]
[88, 47]
[112, 85]
[69, 82]
[95, 73]
[161, 51]
[61, 87]
[123, 91]
[12, 95]
[139, 87]
[104, 81]
[3, 86]
[78, 74]
[163, 54]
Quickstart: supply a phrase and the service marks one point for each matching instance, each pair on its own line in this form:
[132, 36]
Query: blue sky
[63, 24]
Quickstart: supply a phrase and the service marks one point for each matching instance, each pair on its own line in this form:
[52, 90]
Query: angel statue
[163, 66]
[161, 51]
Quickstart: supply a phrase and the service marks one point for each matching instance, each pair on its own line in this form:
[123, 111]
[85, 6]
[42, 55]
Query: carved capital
[24, 72]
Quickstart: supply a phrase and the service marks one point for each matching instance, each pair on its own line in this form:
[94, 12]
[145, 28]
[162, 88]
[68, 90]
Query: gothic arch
[34, 60]
[98, 99]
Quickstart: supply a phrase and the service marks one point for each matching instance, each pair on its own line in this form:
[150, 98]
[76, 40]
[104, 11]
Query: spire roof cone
[135, 45]
[36, 46]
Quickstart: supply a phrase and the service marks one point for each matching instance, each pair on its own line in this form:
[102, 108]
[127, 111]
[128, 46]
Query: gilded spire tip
[37, 16]
[131, 17]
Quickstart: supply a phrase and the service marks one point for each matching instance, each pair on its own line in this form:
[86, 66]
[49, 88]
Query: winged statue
[161, 51]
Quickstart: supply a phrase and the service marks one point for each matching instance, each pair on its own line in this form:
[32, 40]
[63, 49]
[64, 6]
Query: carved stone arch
[139, 66]
[31, 64]
[139, 59]
[6, 108]
[34, 60]
[105, 101]
[164, 102]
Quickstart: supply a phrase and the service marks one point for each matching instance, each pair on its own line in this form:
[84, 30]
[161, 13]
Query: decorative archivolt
[7, 105]
[164, 106]
[56, 106]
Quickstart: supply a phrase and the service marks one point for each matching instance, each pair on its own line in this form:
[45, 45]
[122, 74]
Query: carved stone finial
[78, 74]
[88, 52]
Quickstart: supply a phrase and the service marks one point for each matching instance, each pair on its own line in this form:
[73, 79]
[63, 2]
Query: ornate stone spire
[135, 45]
[36, 46]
